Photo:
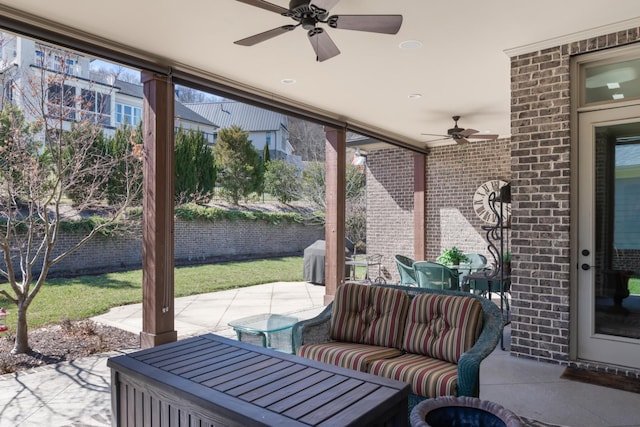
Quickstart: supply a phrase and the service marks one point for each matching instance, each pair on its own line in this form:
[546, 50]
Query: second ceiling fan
[310, 13]
[461, 135]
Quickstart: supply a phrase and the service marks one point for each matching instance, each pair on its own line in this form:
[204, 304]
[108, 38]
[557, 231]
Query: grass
[634, 286]
[86, 296]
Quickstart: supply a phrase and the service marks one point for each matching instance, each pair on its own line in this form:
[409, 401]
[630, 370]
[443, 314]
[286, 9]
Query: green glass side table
[268, 330]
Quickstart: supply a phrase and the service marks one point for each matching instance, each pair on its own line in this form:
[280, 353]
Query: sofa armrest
[312, 331]
[469, 363]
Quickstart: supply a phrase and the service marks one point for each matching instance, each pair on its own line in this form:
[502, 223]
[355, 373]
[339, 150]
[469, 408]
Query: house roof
[627, 155]
[229, 113]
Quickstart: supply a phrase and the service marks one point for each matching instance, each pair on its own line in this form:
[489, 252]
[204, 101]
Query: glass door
[608, 275]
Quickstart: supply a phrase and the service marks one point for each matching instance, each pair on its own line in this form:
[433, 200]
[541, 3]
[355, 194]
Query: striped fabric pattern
[442, 326]
[347, 355]
[369, 315]
[428, 377]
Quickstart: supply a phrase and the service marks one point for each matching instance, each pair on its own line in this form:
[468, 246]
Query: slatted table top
[246, 382]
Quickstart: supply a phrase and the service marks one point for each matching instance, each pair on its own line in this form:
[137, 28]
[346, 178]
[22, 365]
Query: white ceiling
[462, 68]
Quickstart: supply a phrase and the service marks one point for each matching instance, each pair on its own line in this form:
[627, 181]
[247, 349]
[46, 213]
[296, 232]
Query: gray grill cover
[313, 269]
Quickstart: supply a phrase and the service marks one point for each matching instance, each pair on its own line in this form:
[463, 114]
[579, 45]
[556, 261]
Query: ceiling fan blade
[484, 136]
[323, 45]
[468, 132]
[461, 140]
[258, 38]
[386, 24]
[325, 5]
[265, 5]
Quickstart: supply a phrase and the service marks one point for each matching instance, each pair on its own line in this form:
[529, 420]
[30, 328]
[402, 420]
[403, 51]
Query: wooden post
[419, 239]
[336, 164]
[157, 229]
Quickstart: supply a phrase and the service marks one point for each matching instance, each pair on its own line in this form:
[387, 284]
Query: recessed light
[618, 96]
[410, 44]
[288, 81]
[614, 85]
[414, 96]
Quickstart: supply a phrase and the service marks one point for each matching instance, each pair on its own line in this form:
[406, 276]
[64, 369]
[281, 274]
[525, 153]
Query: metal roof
[249, 118]
[627, 155]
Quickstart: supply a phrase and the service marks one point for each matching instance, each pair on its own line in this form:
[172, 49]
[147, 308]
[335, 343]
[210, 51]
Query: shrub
[282, 180]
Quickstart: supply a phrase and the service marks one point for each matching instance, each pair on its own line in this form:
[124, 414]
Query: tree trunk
[22, 337]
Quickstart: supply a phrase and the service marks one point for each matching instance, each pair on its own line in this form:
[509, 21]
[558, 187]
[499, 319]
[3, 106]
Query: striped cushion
[442, 326]
[428, 377]
[348, 355]
[369, 315]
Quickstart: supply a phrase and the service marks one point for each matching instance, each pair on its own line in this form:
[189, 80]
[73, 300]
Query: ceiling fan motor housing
[455, 129]
[301, 11]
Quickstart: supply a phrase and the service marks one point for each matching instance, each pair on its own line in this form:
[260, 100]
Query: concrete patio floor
[78, 393]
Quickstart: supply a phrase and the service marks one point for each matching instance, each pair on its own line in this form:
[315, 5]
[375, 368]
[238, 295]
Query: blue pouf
[450, 411]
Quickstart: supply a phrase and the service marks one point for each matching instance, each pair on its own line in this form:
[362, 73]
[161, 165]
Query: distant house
[129, 109]
[82, 94]
[265, 127]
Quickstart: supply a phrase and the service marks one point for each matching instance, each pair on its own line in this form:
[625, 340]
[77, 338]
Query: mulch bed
[64, 342]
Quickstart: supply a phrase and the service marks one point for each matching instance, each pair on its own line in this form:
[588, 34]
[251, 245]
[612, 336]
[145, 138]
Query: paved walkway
[78, 393]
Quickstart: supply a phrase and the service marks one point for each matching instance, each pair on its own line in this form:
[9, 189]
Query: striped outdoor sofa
[431, 339]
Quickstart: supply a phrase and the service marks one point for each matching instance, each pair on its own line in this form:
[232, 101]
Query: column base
[148, 340]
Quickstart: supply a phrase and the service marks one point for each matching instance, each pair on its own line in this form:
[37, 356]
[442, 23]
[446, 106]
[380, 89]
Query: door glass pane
[617, 214]
[612, 82]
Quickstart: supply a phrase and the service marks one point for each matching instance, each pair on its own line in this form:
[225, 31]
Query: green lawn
[634, 286]
[86, 296]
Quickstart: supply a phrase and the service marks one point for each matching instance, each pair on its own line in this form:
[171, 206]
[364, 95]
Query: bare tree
[308, 139]
[49, 147]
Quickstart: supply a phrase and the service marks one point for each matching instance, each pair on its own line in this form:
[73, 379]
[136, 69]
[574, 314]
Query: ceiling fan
[310, 13]
[461, 135]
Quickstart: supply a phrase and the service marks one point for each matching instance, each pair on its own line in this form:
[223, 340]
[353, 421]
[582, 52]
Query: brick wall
[540, 121]
[453, 173]
[390, 207]
[195, 242]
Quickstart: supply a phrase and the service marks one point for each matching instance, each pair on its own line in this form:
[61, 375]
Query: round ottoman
[450, 411]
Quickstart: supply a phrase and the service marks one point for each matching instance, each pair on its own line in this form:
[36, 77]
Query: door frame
[577, 106]
[599, 346]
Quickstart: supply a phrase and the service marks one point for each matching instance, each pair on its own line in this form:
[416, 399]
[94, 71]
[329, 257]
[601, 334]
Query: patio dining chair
[435, 276]
[474, 263]
[405, 268]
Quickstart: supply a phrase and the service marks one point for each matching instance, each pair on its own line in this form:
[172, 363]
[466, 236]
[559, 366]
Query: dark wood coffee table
[211, 380]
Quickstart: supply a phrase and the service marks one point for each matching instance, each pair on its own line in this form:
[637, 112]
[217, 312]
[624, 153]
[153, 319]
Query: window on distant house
[96, 106]
[57, 61]
[128, 115]
[62, 101]
[40, 61]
